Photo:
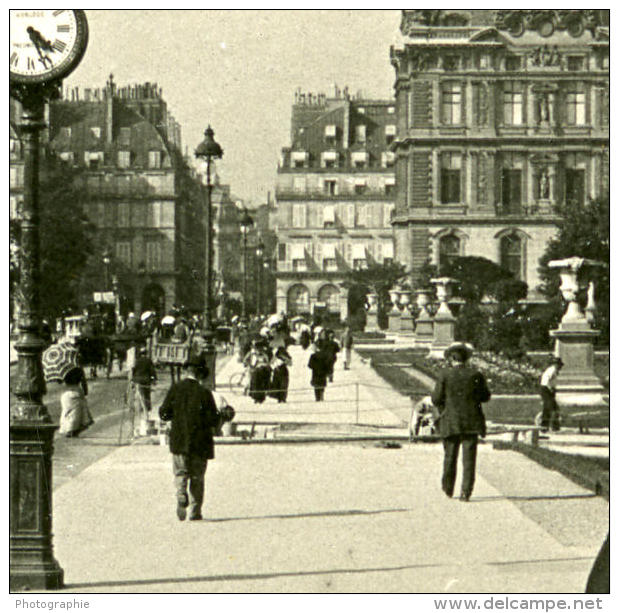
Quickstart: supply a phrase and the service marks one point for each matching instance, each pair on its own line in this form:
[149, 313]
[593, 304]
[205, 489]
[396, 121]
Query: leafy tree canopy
[66, 240]
[479, 277]
[378, 278]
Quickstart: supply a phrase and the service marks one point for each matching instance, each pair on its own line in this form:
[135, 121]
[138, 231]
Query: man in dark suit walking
[193, 412]
[458, 394]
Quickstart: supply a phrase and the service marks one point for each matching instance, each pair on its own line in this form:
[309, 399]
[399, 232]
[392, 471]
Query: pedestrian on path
[331, 348]
[192, 410]
[143, 376]
[281, 377]
[320, 365]
[548, 391]
[347, 342]
[458, 394]
[75, 416]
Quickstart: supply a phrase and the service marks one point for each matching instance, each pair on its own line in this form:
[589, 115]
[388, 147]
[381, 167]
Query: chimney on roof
[109, 110]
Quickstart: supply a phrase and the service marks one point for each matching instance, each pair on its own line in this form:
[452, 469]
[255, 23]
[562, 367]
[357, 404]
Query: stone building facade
[502, 119]
[334, 199]
[138, 190]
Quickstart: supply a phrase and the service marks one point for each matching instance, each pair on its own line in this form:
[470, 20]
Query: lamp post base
[32, 563]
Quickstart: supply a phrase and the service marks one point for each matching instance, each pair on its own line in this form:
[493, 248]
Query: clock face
[45, 44]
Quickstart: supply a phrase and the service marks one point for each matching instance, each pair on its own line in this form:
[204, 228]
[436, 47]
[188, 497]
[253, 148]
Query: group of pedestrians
[267, 369]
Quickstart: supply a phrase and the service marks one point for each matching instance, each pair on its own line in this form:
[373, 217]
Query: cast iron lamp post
[209, 150]
[259, 254]
[245, 224]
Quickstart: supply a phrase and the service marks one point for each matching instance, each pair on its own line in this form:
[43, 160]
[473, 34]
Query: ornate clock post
[45, 46]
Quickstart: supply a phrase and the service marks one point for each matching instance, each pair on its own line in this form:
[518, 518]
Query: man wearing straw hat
[458, 394]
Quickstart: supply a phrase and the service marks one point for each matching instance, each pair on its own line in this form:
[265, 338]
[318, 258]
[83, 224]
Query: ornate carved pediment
[488, 35]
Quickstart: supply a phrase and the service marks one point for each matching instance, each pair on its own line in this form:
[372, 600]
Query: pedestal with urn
[444, 321]
[577, 383]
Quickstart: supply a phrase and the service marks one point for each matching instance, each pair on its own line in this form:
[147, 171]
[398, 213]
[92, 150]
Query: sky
[238, 70]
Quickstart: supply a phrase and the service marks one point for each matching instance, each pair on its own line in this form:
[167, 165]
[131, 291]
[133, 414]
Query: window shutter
[464, 90]
[498, 103]
[421, 178]
[421, 112]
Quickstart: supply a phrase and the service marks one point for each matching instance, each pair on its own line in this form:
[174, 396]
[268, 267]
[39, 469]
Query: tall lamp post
[259, 254]
[107, 259]
[209, 150]
[36, 71]
[245, 224]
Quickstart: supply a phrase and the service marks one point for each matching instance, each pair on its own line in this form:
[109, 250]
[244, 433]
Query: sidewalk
[325, 518]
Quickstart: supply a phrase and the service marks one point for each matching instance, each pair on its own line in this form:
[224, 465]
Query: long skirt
[75, 415]
[279, 383]
[259, 383]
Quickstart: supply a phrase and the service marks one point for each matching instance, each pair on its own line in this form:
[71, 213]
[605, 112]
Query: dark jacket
[144, 372]
[320, 363]
[192, 410]
[458, 394]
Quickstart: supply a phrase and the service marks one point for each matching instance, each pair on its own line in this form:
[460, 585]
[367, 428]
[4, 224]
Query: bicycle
[239, 380]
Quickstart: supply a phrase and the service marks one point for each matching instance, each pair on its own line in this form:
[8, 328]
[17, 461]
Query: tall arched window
[448, 250]
[511, 254]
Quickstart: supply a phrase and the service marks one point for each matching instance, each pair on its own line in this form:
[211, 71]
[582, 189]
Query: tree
[496, 326]
[377, 279]
[583, 232]
[66, 240]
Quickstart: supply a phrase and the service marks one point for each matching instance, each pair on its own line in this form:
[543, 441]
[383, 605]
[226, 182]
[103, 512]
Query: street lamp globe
[209, 149]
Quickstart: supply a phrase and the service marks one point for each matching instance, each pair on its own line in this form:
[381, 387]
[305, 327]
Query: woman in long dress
[259, 373]
[75, 416]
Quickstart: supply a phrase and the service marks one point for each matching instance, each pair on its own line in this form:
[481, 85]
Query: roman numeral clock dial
[45, 45]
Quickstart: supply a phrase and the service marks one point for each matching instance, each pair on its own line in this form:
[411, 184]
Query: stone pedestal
[407, 323]
[371, 322]
[444, 321]
[424, 324]
[577, 383]
[394, 320]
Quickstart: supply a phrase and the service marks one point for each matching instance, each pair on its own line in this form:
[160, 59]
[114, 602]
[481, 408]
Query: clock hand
[38, 41]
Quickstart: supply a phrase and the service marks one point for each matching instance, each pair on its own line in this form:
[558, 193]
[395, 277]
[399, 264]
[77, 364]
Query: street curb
[594, 479]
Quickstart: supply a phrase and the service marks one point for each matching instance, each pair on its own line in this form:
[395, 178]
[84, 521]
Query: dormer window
[299, 159]
[390, 131]
[391, 110]
[154, 159]
[328, 159]
[124, 159]
[330, 133]
[94, 131]
[360, 134]
[387, 159]
[359, 159]
[93, 159]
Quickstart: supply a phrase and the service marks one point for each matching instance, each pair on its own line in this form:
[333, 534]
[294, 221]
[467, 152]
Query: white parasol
[168, 320]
